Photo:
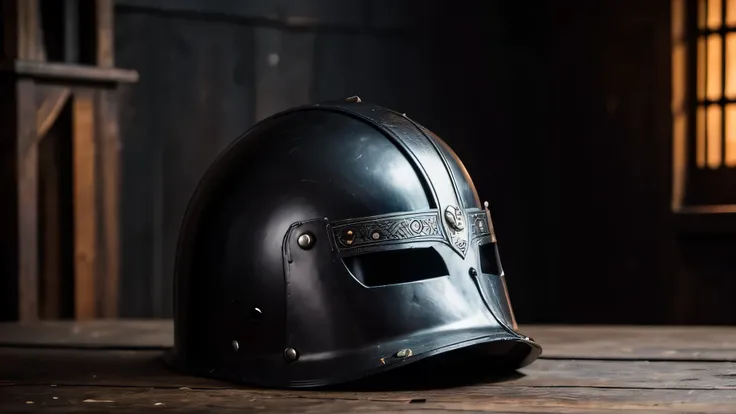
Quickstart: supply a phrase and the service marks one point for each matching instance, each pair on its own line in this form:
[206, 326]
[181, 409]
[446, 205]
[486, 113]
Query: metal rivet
[236, 346]
[348, 237]
[306, 241]
[291, 354]
[473, 272]
[404, 353]
[376, 235]
[353, 99]
[256, 314]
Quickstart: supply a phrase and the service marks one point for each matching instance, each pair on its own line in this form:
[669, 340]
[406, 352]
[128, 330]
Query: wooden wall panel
[194, 97]
[283, 69]
[560, 113]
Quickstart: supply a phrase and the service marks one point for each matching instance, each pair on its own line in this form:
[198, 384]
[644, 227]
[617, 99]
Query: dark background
[560, 110]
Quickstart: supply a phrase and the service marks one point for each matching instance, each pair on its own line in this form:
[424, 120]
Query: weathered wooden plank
[54, 97]
[85, 202]
[289, 13]
[69, 72]
[53, 100]
[149, 333]
[205, 100]
[140, 157]
[577, 342]
[504, 399]
[28, 30]
[138, 368]
[636, 342]
[27, 201]
[109, 172]
[105, 21]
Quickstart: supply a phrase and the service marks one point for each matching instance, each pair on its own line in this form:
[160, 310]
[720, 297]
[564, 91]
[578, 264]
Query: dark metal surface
[353, 230]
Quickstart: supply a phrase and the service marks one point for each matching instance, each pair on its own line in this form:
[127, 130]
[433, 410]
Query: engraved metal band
[403, 227]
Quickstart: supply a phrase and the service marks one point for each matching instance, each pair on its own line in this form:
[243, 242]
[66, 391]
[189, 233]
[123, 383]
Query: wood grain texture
[53, 99]
[81, 380]
[85, 204]
[146, 368]
[27, 201]
[50, 216]
[101, 333]
[105, 22]
[109, 211]
[69, 72]
[191, 102]
[637, 342]
[303, 14]
[559, 342]
[503, 399]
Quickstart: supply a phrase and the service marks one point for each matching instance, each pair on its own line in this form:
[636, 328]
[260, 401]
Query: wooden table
[114, 366]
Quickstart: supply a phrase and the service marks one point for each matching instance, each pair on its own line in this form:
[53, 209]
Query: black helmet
[335, 241]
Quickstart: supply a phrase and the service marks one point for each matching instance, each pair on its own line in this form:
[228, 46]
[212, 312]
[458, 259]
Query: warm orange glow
[730, 12]
[677, 21]
[714, 14]
[701, 14]
[701, 69]
[678, 76]
[679, 155]
[700, 137]
[731, 65]
[714, 119]
[730, 135]
[713, 76]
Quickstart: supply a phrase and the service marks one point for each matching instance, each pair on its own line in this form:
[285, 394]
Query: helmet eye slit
[393, 267]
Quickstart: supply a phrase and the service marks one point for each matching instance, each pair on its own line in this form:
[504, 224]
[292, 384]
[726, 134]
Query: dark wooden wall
[560, 112]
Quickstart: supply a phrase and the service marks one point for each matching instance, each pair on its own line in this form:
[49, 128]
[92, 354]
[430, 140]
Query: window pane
[713, 76]
[701, 69]
[678, 19]
[701, 14]
[731, 13]
[679, 82]
[714, 14]
[731, 65]
[731, 135]
[714, 113]
[700, 137]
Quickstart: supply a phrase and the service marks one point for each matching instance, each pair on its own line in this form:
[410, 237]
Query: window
[704, 102]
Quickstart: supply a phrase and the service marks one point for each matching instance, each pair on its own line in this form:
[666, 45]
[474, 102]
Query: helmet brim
[495, 354]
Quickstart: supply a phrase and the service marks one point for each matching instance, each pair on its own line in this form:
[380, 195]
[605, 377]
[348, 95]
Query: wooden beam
[50, 100]
[69, 72]
[54, 99]
[27, 199]
[109, 172]
[28, 30]
[104, 10]
[85, 217]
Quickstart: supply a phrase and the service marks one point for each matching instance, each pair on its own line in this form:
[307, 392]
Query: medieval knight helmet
[332, 242]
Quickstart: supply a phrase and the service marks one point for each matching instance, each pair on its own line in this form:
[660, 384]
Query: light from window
[715, 118]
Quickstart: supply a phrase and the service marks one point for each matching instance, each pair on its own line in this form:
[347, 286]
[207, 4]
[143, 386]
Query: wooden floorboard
[144, 334]
[701, 343]
[666, 343]
[101, 366]
[504, 399]
[146, 369]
